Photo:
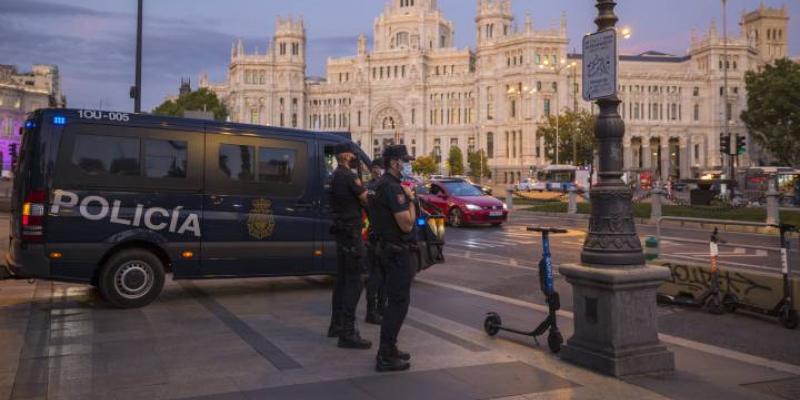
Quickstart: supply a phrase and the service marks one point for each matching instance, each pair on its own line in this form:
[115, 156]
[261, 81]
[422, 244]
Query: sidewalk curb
[669, 224]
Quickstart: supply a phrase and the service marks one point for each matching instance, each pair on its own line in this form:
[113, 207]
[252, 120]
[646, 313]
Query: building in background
[412, 86]
[21, 93]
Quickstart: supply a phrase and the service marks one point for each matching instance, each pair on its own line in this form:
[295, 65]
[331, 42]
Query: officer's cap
[346, 147]
[396, 152]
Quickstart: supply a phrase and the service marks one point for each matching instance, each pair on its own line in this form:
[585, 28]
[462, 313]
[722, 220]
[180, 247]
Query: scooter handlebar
[549, 229]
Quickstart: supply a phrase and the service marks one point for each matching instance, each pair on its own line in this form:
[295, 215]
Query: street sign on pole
[600, 65]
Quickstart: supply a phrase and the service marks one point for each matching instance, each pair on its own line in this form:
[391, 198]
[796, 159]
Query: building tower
[289, 52]
[412, 24]
[494, 20]
[767, 29]
[186, 87]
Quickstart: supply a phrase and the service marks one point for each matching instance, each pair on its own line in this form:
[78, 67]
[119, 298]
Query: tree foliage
[425, 165]
[455, 161]
[200, 100]
[575, 133]
[773, 109]
[478, 164]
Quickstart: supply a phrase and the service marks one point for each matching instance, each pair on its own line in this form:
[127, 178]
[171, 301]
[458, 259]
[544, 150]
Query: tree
[478, 164]
[200, 100]
[455, 161]
[575, 134]
[425, 165]
[773, 109]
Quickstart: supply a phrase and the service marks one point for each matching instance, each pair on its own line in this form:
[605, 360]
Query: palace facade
[413, 86]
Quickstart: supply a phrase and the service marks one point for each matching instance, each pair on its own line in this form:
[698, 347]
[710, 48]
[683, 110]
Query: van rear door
[259, 209]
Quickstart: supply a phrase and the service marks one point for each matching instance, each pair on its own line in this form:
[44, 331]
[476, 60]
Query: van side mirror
[442, 195]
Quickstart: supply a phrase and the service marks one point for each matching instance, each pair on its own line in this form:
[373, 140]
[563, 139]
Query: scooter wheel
[714, 306]
[554, 341]
[492, 323]
[729, 302]
[789, 318]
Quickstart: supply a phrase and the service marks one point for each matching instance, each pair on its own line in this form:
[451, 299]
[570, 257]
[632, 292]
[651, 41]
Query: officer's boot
[388, 361]
[373, 316]
[349, 337]
[401, 354]
[336, 326]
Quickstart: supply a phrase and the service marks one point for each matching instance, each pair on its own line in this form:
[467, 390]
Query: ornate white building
[415, 87]
[21, 93]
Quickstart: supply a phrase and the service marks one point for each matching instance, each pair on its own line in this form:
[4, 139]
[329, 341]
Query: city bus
[118, 200]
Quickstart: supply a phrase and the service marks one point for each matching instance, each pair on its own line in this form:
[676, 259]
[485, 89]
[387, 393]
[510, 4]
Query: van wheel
[132, 278]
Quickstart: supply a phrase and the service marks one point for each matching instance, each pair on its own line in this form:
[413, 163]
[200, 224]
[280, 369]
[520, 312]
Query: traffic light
[724, 144]
[740, 145]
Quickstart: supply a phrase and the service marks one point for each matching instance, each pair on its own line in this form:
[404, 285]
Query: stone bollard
[572, 208]
[655, 205]
[773, 213]
[510, 198]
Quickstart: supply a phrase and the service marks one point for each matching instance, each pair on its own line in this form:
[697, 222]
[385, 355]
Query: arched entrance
[387, 129]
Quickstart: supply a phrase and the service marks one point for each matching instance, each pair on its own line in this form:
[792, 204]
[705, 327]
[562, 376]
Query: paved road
[503, 261]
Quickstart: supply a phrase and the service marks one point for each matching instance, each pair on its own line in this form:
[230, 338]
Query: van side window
[107, 155]
[276, 165]
[237, 162]
[165, 158]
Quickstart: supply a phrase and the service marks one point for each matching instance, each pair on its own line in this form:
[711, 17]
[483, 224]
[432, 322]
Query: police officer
[394, 223]
[376, 293]
[347, 198]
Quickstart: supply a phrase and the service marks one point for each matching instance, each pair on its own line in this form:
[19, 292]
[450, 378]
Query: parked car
[462, 203]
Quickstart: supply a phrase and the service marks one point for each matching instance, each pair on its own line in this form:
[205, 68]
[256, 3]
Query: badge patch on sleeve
[401, 198]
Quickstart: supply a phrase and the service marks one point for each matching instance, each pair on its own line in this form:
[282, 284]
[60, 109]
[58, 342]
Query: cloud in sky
[93, 41]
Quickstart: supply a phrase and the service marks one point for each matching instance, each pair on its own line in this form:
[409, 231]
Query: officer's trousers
[396, 262]
[348, 287]
[375, 286]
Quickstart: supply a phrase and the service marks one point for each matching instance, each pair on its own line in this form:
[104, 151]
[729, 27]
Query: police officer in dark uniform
[376, 293]
[347, 198]
[394, 223]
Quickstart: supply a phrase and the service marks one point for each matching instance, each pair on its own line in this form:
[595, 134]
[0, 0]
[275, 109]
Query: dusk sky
[93, 41]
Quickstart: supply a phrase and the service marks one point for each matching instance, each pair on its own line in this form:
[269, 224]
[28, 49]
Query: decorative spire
[528, 22]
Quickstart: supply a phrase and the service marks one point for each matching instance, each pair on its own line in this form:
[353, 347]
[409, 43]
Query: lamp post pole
[614, 291]
[137, 99]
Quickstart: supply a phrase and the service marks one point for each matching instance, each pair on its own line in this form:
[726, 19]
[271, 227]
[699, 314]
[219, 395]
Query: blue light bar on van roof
[421, 221]
[29, 124]
[59, 120]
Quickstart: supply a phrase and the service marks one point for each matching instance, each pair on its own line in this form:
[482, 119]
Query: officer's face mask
[406, 170]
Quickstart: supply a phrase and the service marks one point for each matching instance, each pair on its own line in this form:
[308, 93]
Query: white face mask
[406, 171]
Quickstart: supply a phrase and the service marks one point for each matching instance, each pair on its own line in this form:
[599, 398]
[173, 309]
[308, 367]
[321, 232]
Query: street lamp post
[614, 292]
[557, 69]
[137, 90]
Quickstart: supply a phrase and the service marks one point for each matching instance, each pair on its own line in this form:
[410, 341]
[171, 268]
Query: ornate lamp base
[616, 330]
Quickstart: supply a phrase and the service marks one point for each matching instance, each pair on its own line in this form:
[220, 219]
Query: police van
[118, 200]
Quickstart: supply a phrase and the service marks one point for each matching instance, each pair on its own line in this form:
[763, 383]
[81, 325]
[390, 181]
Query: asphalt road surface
[503, 261]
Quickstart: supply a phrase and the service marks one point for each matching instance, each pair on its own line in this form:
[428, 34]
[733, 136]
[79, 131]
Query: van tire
[131, 278]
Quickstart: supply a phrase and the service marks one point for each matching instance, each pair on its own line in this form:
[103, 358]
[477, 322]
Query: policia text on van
[116, 200]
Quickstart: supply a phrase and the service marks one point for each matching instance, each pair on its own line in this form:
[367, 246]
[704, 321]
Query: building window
[401, 39]
[471, 144]
[255, 116]
[513, 109]
[547, 107]
[696, 91]
[489, 103]
[413, 116]
[294, 120]
[281, 121]
[490, 145]
[359, 118]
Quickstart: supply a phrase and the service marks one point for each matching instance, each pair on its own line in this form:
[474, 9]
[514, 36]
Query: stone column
[627, 161]
[664, 159]
[572, 207]
[685, 157]
[614, 292]
[647, 162]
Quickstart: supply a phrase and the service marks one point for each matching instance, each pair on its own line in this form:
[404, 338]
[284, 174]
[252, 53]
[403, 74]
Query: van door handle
[302, 205]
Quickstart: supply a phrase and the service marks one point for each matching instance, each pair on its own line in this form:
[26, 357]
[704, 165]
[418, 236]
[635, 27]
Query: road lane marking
[673, 340]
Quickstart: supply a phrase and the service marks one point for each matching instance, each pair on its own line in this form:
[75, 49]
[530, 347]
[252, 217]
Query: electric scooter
[493, 324]
[711, 299]
[784, 310]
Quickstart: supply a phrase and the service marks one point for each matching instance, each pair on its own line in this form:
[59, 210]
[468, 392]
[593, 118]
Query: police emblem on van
[260, 221]
[153, 218]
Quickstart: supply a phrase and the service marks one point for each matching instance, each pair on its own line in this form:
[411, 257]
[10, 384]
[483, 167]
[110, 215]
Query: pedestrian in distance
[394, 224]
[376, 293]
[348, 197]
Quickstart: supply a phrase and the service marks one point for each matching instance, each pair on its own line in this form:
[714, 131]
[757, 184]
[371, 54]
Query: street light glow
[626, 32]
